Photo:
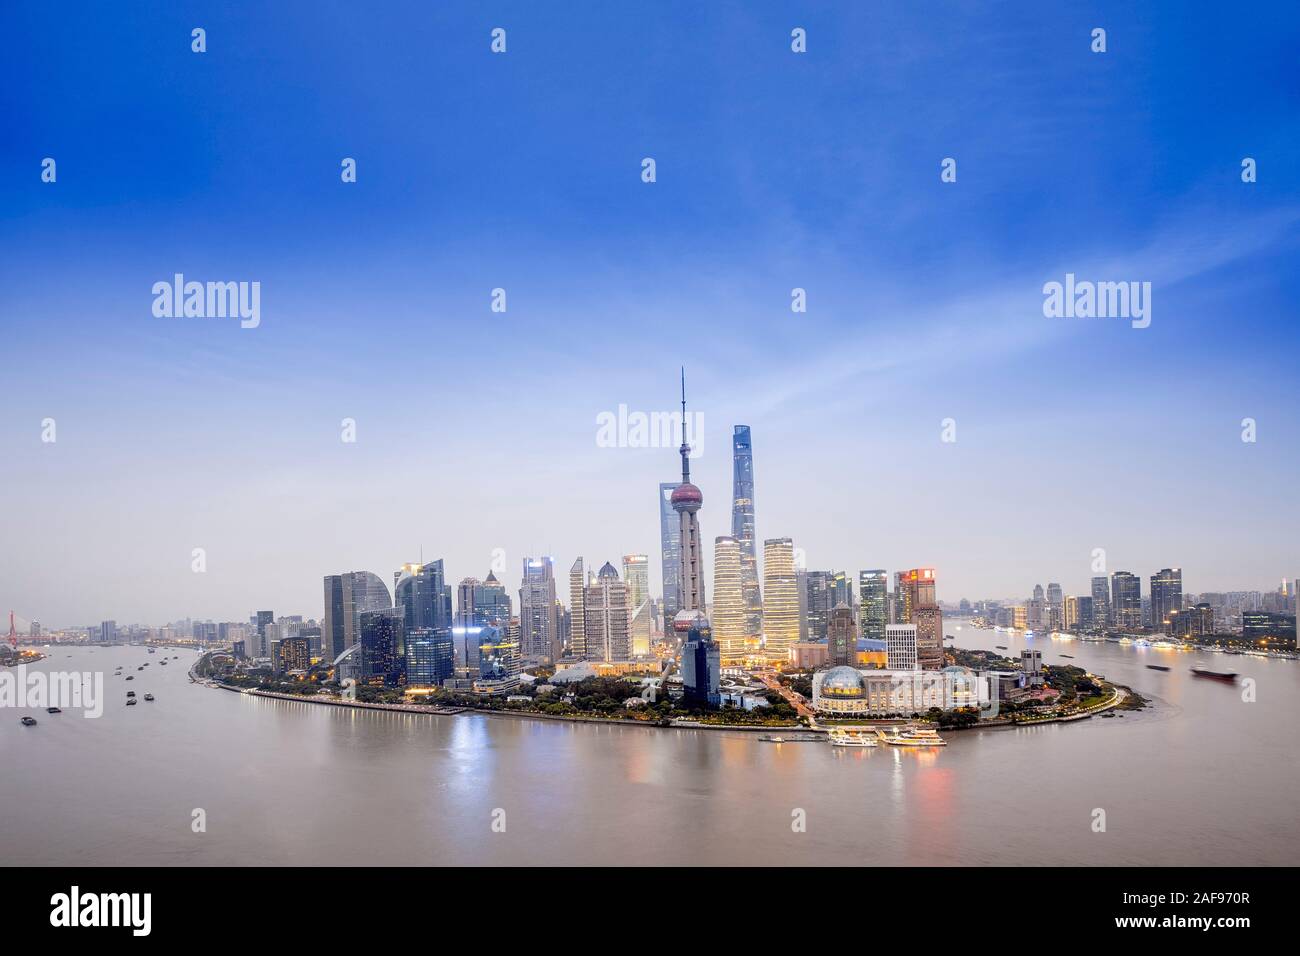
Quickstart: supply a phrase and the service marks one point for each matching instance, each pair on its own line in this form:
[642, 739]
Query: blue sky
[522, 171]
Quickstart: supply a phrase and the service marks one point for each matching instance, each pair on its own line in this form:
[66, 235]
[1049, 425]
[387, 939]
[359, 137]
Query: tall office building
[742, 528]
[815, 602]
[423, 595]
[873, 603]
[701, 663]
[636, 575]
[383, 647]
[780, 599]
[539, 623]
[1055, 606]
[292, 654]
[900, 647]
[499, 664]
[605, 618]
[1126, 599]
[482, 602]
[577, 628]
[430, 656]
[1087, 614]
[840, 585]
[921, 607]
[263, 618]
[1070, 617]
[730, 615]
[842, 637]
[1100, 603]
[1166, 596]
[347, 597]
[686, 501]
[670, 551]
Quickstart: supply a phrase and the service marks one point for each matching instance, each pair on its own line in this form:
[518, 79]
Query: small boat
[29, 721]
[1228, 677]
[148, 696]
[773, 740]
[1157, 667]
[130, 693]
[131, 702]
[54, 710]
[852, 738]
[1070, 656]
[131, 677]
[1001, 647]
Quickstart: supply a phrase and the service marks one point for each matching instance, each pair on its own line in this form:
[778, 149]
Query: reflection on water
[1197, 779]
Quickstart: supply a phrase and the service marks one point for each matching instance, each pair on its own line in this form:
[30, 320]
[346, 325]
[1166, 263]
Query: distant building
[873, 603]
[1126, 600]
[920, 606]
[383, 647]
[842, 636]
[1100, 603]
[499, 663]
[1166, 597]
[1031, 666]
[730, 615]
[780, 599]
[108, 632]
[347, 597]
[636, 575]
[701, 666]
[809, 655]
[670, 549]
[539, 622]
[430, 658]
[577, 625]
[606, 618]
[742, 527]
[850, 692]
[900, 647]
[294, 654]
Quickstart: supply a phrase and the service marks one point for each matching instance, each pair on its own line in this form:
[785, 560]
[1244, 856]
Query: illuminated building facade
[730, 615]
[780, 599]
[742, 527]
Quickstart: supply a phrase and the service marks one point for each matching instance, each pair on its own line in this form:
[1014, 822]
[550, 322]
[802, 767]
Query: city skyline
[822, 173]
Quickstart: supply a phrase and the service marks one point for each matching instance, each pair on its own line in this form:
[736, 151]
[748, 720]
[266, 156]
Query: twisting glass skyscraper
[742, 526]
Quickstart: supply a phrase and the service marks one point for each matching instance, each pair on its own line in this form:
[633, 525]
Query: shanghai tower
[742, 527]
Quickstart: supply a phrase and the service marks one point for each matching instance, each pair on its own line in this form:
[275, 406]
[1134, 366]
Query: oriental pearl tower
[686, 500]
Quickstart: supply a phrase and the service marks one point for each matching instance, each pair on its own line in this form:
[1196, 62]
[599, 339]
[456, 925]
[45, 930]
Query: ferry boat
[852, 738]
[29, 721]
[913, 737]
[1228, 677]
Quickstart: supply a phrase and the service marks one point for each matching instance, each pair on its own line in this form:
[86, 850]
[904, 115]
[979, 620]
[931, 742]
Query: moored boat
[852, 738]
[913, 737]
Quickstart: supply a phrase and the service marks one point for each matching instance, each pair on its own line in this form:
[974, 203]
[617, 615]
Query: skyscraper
[347, 597]
[605, 617]
[430, 657]
[499, 664]
[539, 623]
[670, 551]
[577, 632]
[780, 599]
[873, 603]
[1166, 596]
[742, 528]
[383, 646]
[1100, 603]
[730, 619]
[636, 575]
[842, 637]
[1126, 599]
[921, 607]
[816, 601]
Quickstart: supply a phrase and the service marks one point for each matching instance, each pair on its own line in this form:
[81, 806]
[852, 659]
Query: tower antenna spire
[685, 449]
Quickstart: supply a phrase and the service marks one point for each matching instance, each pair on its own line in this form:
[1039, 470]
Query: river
[1201, 777]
